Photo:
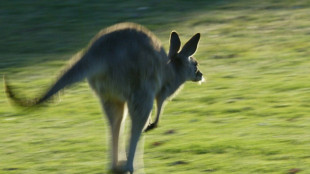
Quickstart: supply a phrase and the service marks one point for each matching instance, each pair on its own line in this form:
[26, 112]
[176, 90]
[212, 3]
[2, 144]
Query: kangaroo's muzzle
[199, 76]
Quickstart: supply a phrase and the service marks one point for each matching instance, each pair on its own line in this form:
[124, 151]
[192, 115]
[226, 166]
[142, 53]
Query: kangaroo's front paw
[150, 127]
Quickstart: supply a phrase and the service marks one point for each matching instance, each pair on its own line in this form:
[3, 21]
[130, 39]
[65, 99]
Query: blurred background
[252, 115]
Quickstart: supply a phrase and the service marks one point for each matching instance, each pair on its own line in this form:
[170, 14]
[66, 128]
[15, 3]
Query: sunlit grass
[251, 116]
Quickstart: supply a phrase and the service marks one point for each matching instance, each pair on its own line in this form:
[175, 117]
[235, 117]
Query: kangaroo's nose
[199, 73]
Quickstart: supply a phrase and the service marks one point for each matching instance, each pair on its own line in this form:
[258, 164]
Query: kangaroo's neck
[174, 80]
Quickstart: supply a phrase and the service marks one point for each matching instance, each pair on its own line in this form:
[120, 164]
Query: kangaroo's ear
[191, 46]
[175, 44]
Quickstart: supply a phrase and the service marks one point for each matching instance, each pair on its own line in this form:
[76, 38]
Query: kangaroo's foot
[121, 168]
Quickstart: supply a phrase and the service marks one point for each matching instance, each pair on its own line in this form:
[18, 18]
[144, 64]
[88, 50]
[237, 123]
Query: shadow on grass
[32, 28]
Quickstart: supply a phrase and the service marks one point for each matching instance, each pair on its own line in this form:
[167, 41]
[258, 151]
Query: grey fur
[126, 66]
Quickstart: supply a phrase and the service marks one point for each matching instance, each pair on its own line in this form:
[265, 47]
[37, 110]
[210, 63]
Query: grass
[252, 115]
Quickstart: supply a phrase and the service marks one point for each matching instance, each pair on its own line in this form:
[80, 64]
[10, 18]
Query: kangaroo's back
[132, 56]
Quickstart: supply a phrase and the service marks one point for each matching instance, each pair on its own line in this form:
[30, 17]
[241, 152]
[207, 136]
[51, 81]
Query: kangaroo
[128, 69]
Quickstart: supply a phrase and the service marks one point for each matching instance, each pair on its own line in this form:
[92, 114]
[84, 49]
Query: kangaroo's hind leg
[115, 113]
[140, 107]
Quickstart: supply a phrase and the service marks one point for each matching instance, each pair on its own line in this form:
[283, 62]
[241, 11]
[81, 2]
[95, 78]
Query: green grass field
[251, 117]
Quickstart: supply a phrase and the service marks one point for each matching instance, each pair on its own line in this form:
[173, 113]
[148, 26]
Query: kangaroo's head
[183, 60]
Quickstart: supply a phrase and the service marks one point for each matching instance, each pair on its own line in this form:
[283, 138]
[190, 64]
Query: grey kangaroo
[127, 67]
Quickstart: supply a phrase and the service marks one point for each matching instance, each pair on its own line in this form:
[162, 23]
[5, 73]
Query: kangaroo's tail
[77, 72]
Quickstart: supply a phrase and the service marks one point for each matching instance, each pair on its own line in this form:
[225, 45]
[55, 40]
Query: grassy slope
[250, 117]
